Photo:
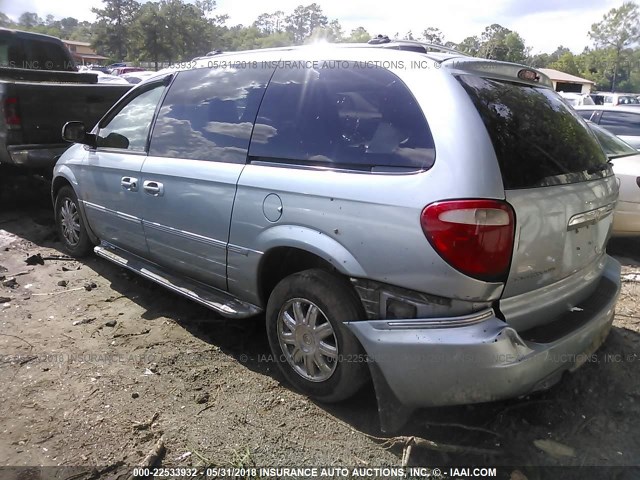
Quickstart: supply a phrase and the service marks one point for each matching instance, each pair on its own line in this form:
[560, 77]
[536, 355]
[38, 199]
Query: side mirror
[75, 132]
[113, 140]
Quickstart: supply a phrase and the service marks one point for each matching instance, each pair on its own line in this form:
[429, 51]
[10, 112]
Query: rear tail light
[474, 236]
[11, 114]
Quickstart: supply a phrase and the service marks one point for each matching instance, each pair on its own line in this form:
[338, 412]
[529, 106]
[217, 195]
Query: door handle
[153, 188]
[129, 183]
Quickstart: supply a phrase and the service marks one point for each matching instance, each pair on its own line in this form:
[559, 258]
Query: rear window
[538, 139]
[348, 117]
[20, 52]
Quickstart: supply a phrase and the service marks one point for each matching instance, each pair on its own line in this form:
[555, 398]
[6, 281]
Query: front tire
[316, 353]
[70, 225]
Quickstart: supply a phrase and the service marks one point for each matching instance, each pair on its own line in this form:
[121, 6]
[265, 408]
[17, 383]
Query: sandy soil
[96, 365]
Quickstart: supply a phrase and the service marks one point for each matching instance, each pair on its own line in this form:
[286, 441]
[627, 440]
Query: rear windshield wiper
[599, 168]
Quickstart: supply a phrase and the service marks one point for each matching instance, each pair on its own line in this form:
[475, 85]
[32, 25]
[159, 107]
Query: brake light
[11, 115]
[474, 236]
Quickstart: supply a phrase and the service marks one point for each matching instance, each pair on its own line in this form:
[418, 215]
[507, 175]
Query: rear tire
[316, 353]
[70, 225]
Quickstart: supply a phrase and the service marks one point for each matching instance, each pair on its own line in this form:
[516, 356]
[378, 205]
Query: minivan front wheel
[317, 354]
[70, 224]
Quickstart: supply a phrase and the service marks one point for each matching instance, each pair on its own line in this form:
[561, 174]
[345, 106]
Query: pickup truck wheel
[315, 352]
[70, 225]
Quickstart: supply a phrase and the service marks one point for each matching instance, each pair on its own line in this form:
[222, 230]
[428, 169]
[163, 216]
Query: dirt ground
[96, 364]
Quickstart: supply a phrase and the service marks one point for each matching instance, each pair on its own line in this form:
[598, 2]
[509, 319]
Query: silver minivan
[449, 247]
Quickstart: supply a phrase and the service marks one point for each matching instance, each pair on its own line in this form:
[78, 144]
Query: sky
[544, 24]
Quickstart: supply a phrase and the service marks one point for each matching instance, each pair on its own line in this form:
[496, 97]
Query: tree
[269, 23]
[433, 35]
[172, 30]
[470, 46]
[566, 63]
[617, 30]
[516, 51]
[67, 26]
[330, 33]
[493, 42]
[358, 35]
[278, 39]
[150, 41]
[113, 34]
[539, 60]
[305, 20]
[29, 20]
[5, 21]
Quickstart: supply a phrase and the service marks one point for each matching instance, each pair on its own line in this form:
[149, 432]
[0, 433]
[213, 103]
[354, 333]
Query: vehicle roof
[387, 52]
[302, 51]
[614, 108]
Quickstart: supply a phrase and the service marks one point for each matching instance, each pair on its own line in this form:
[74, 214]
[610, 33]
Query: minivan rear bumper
[483, 358]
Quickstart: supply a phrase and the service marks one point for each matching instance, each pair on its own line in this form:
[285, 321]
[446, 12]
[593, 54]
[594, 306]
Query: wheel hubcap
[307, 340]
[70, 222]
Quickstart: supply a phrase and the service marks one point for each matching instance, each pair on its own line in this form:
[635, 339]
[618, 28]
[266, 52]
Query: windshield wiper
[599, 168]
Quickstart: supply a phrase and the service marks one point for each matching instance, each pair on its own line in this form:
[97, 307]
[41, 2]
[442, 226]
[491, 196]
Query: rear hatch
[557, 179]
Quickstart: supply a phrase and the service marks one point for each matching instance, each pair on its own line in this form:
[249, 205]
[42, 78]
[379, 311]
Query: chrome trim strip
[450, 322]
[184, 234]
[590, 217]
[242, 250]
[120, 215]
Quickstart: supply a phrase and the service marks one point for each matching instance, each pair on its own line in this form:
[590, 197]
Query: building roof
[80, 44]
[558, 76]
[89, 56]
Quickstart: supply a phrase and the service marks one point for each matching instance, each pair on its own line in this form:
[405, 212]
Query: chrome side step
[217, 300]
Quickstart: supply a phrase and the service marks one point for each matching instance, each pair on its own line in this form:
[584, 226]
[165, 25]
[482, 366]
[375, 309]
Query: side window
[621, 123]
[356, 118]
[129, 128]
[208, 114]
[586, 114]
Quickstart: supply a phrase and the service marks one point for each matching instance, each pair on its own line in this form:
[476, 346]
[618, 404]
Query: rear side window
[347, 117]
[538, 139]
[621, 123]
[208, 114]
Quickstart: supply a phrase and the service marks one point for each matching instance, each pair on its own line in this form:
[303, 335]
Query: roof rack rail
[398, 43]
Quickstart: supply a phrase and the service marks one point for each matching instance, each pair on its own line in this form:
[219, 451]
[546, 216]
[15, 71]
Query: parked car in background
[623, 121]
[40, 90]
[115, 65]
[111, 79]
[93, 68]
[137, 77]
[575, 99]
[604, 98]
[123, 70]
[431, 243]
[626, 166]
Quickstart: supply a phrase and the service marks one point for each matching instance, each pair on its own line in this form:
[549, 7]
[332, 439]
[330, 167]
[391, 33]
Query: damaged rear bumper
[479, 358]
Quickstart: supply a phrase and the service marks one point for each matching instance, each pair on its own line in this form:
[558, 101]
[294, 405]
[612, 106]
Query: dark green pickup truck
[40, 90]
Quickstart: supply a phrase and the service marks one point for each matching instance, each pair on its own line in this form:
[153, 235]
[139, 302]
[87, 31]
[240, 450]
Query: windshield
[612, 145]
[539, 140]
